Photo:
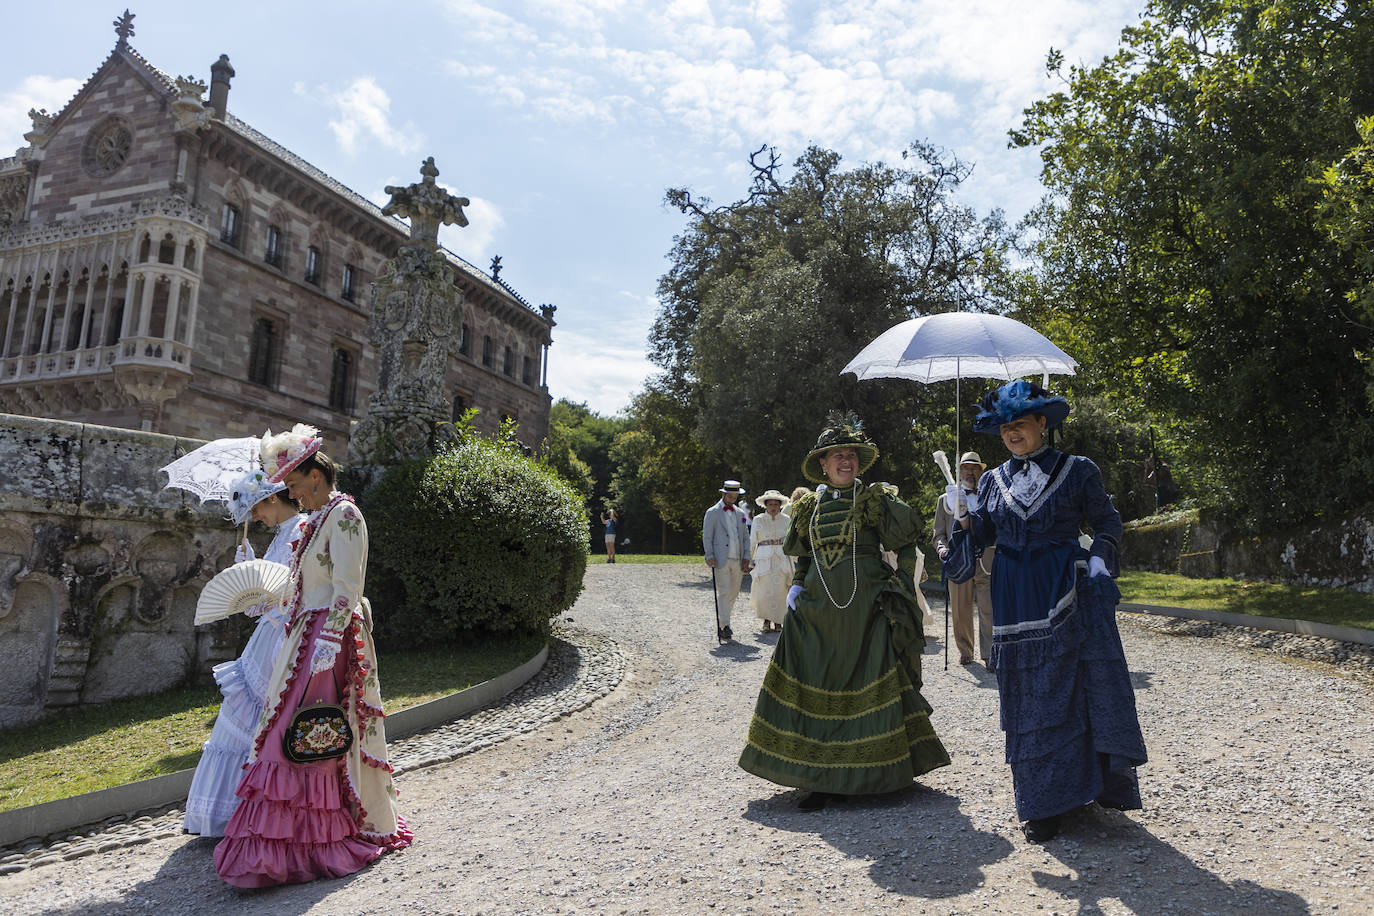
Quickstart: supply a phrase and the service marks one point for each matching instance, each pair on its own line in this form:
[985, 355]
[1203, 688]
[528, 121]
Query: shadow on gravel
[917, 841]
[1117, 859]
[737, 651]
[1142, 680]
[187, 883]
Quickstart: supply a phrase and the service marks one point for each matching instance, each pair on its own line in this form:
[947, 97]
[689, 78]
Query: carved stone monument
[416, 314]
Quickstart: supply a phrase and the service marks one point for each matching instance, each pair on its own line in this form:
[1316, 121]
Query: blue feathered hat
[249, 490]
[1015, 400]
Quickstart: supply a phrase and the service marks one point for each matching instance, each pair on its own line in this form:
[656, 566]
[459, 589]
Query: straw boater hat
[972, 458]
[1015, 400]
[733, 486]
[282, 452]
[249, 490]
[763, 499]
[840, 432]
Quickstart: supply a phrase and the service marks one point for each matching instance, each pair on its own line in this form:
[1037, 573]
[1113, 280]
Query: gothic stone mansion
[166, 267]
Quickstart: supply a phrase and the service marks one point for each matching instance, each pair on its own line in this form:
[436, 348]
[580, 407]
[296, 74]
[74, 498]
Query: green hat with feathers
[841, 431]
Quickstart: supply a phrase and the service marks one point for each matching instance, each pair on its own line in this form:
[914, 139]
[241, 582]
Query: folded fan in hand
[240, 587]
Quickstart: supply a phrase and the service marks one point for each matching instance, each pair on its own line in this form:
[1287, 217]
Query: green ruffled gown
[841, 709]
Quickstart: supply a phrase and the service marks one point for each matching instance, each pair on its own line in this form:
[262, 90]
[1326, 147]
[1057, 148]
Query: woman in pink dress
[328, 818]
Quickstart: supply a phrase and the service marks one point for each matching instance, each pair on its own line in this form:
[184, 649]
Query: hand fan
[240, 587]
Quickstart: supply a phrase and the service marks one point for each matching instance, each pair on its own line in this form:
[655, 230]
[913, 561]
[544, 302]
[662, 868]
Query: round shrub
[474, 542]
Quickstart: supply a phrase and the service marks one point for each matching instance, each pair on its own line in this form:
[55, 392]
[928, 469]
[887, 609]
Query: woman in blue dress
[1068, 709]
[244, 680]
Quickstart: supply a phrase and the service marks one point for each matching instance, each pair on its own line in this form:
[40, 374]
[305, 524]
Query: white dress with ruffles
[244, 683]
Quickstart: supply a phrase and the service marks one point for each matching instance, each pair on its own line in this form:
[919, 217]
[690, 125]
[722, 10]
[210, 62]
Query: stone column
[14, 309]
[169, 323]
[72, 280]
[145, 305]
[192, 309]
[416, 316]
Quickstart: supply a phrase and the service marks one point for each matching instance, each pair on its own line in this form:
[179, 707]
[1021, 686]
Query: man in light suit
[962, 596]
[725, 541]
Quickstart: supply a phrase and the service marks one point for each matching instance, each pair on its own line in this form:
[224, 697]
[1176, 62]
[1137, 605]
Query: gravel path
[1258, 798]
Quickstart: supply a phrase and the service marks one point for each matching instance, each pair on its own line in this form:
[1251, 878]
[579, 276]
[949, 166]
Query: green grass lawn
[1262, 599]
[69, 753]
[648, 558]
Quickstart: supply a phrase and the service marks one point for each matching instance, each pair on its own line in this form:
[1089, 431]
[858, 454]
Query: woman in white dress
[771, 574]
[244, 680]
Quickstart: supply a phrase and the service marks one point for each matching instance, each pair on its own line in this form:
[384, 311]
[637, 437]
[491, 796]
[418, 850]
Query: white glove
[244, 552]
[256, 610]
[326, 649]
[1096, 567]
[792, 594]
[955, 500]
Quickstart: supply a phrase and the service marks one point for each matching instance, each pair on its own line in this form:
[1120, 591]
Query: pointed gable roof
[157, 80]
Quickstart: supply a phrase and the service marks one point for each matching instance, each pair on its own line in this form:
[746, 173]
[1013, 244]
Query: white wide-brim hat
[733, 486]
[763, 499]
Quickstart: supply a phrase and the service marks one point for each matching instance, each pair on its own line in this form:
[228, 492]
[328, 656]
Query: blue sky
[565, 120]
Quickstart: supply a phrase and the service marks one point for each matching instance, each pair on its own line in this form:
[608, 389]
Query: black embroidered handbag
[316, 732]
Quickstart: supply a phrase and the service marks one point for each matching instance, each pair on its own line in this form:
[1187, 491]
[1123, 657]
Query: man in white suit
[725, 542]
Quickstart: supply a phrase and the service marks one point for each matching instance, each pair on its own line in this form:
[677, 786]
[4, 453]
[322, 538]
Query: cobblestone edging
[582, 667]
[1350, 657]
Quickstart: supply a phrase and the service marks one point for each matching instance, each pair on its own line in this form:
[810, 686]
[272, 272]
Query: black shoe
[725, 633]
[815, 801]
[987, 663]
[1043, 829]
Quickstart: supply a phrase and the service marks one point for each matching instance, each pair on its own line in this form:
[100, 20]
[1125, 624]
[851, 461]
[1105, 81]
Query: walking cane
[715, 599]
[946, 582]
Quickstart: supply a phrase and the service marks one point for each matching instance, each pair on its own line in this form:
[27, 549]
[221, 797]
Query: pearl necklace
[853, 550]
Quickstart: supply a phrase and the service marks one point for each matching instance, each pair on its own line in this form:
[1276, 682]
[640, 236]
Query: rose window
[108, 147]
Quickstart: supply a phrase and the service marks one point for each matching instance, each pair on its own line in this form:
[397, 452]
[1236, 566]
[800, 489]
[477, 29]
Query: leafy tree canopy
[1181, 247]
[767, 299]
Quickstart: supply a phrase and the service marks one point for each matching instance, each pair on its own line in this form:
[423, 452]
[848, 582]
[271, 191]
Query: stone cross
[427, 206]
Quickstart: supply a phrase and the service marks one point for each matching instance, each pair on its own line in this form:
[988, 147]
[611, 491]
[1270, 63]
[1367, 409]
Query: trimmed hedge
[477, 541]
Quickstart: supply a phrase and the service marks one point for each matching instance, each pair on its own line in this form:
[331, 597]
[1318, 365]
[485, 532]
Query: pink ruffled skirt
[292, 824]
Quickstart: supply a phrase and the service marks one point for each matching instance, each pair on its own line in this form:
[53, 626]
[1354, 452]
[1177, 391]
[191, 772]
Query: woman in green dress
[841, 711]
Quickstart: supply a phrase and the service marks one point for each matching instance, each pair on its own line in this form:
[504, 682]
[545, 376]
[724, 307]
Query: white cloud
[474, 241]
[482, 24]
[599, 361]
[42, 92]
[365, 112]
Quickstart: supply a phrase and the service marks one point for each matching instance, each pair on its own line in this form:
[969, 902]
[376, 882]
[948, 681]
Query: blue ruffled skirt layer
[1068, 708]
[243, 682]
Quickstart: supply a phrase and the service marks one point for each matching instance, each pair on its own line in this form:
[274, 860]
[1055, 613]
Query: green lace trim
[887, 749]
[819, 703]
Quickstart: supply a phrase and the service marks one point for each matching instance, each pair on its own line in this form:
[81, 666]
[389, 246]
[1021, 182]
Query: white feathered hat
[282, 452]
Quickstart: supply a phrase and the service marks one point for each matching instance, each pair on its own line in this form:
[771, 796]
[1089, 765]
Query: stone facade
[100, 568]
[166, 267]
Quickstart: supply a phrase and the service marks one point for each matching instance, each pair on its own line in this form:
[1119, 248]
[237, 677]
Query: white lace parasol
[211, 470]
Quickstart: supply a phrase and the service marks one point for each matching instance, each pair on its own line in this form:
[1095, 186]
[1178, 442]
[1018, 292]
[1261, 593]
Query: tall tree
[767, 298]
[1180, 241]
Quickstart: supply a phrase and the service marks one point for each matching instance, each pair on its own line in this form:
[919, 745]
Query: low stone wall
[100, 568]
[1339, 554]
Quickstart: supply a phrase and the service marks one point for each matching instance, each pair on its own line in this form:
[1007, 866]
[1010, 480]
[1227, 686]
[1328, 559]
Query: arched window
[231, 225]
[342, 379]
[264, 352]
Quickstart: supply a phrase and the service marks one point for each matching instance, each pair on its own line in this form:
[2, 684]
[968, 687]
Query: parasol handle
[244, 540]
[943, 461]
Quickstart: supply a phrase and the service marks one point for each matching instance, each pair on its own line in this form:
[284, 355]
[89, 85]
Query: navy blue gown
[1068, 709]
